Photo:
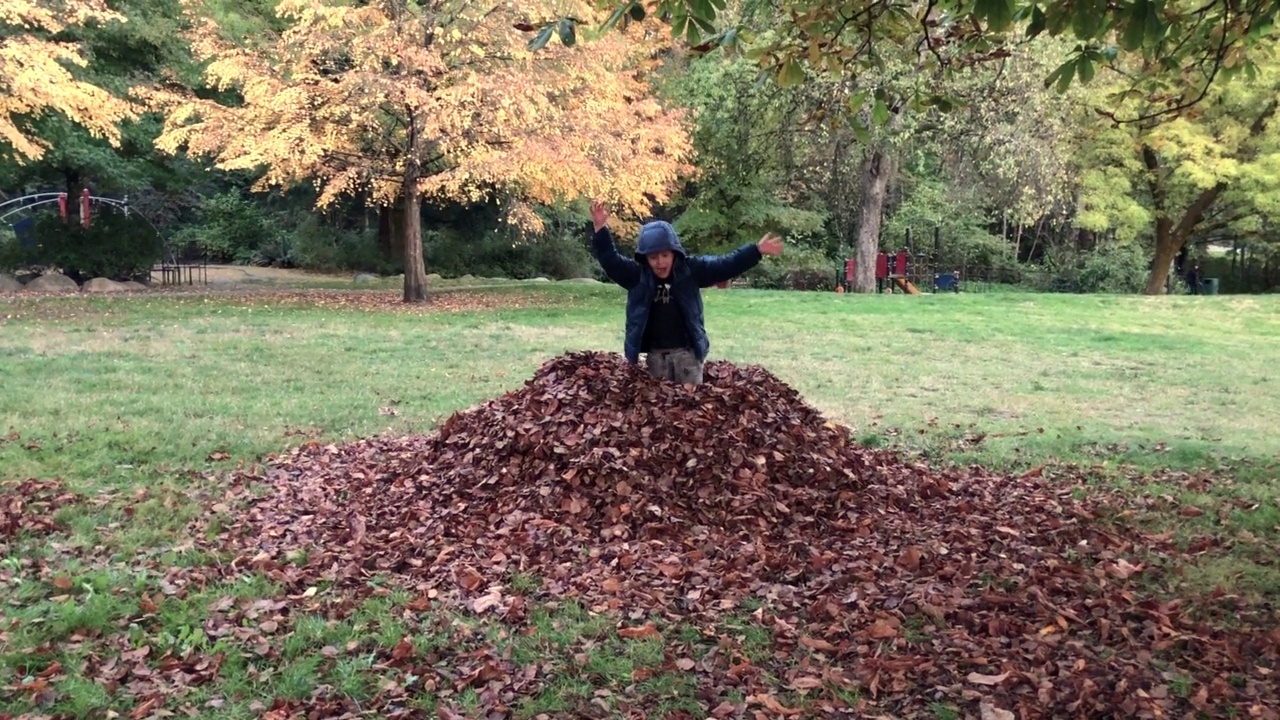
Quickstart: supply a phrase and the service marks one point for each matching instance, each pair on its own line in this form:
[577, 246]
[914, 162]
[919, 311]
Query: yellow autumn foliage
[361, 100]
[34, 78]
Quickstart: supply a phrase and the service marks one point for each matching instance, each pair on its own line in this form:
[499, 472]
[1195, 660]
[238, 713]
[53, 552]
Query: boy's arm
[623, 270]
[712, 269]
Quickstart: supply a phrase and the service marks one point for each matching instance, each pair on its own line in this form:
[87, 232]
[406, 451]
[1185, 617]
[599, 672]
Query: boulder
[53, 283]
[364, 278]
[9, 283]
[103, 285]
[133, 285]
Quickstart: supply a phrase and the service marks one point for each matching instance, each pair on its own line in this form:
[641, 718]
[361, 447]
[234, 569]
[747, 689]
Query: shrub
[233, 229]
[115, 246]
[798, 268]
[317, 246]
[1113, 268]
[495, 253]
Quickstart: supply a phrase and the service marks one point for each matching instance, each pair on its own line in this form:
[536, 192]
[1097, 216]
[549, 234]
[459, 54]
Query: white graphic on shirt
[664, 294]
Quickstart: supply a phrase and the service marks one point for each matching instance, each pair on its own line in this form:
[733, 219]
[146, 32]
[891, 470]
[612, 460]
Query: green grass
[136, 397]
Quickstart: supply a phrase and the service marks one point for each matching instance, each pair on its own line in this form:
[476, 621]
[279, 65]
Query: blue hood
[657, 236]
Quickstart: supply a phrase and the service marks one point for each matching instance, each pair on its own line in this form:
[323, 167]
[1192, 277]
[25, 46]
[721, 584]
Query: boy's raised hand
[770, 244]
[599, 215]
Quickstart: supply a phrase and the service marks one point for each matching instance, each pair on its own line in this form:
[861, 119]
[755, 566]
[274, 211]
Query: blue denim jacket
[689, 276]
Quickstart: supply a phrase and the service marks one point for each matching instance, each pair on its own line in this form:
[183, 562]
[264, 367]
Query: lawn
[140, 406]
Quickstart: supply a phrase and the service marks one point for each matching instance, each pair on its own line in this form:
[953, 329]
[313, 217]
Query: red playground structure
[905, 271]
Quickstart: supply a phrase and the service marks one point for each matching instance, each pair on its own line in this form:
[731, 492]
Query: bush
[233, 229]
[317, 246]
[495, 253]
[115, 246]
[798, 268]
[1113, 268]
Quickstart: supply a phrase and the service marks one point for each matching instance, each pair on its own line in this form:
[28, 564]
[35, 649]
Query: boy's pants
[679, 365]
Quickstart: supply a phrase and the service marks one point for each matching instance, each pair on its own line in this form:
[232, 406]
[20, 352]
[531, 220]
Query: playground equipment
[906, 271]
[175, 267]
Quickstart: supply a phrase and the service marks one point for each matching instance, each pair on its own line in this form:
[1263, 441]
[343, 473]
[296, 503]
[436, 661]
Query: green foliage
[327, 249]
[961, 225]
[1114, 268]
[453, 252]
[115, 246]
[739, 195]
[798, 268]
[1111, 268]
[231, 228]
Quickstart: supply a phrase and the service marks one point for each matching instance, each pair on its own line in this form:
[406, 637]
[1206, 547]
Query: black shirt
[665, 329]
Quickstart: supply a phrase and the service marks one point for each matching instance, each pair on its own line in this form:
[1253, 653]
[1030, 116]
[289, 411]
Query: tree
[1180, 168]
[1173, 43]
[744, 136]
[35, 80]
[1193, 162]
[400, 102]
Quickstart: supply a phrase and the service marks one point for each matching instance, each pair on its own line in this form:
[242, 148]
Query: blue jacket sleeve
[712, 269]
[623, 270]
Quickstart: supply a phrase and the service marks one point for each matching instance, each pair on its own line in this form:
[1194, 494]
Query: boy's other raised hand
[770, 244]
[599, 215]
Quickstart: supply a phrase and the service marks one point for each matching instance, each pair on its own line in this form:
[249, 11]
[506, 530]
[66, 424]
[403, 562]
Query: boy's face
[661, 262]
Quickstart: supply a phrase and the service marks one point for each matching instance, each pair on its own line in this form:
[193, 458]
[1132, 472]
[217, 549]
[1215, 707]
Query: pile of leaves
[659, 501]
[29, 507]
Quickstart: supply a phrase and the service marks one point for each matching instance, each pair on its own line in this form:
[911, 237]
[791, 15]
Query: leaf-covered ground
[656, 501]
[723, 549]
[53, 306]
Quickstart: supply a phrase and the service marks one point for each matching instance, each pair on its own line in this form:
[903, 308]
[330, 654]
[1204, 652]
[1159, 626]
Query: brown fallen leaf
[62, 583]
[881, 630]
[218, 456]
[910, 559]
[980, 679]
[686, 664]
[771, 704]
[648, 630]
[402, 650]
[991, 712]
[469, 580]
[145, 708]
[491, 599]
[817, 644]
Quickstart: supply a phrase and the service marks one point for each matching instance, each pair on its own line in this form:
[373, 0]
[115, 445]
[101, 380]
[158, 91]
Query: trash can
[1209, 286]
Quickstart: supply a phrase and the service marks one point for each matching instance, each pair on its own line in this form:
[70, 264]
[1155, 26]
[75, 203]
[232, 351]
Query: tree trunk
[1167, 247]
[415, 269]
[876, 170]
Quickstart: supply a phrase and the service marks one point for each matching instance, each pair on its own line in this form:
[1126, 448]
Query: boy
[664, 293]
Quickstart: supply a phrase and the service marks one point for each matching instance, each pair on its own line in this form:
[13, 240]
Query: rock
[584, 281]
[9, 283]
[467, 278]
[431, 277]
[103, 285]
[365, 278]
[133, 285]
[53, 283]
[538, 279]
